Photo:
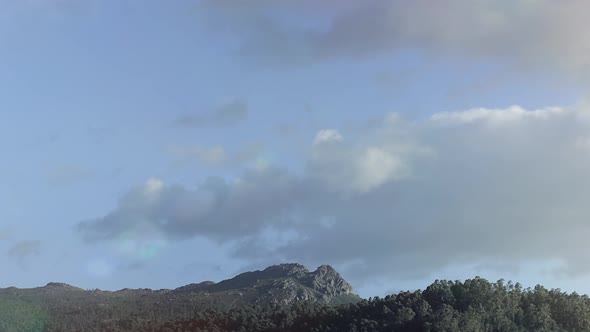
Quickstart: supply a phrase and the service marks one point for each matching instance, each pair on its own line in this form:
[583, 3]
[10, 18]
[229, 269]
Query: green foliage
[20, 316]
[474, 305]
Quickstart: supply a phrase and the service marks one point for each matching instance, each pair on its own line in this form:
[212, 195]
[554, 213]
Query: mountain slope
[60, 306]
[280, 284]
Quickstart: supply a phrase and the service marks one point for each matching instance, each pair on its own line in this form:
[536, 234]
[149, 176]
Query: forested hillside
[275, 300]
[475, 305]
[61, 307]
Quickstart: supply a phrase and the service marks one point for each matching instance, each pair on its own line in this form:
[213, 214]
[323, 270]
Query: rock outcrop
[284, 283]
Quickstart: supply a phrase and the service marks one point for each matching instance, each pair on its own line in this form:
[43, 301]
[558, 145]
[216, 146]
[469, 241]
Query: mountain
[473, 305]
[281, 284]
[290, 298]
[58, 306]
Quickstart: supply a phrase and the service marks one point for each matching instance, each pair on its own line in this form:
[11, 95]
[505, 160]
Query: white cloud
[495, 116]
[376, 167]
[153, 186]
[406, 199]
[327, 136]
[349, 168]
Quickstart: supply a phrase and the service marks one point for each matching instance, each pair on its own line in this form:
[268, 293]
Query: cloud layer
[538, 34]
[497, 187]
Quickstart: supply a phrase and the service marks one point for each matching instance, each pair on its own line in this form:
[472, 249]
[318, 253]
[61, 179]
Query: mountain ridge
[280, 284]
[59, 305]
[324, 280]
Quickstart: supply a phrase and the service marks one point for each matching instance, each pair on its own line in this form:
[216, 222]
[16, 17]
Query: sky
[159, 143]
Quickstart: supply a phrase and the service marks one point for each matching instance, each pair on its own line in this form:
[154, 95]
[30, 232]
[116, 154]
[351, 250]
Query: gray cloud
[540, 34]
[257, 199]
[485, 187]
[228, 113]
[218, 156]
[24, 249]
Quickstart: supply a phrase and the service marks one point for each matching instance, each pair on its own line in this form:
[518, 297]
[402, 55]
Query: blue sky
[158, 143]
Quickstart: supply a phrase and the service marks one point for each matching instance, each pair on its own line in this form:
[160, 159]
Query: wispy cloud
[23, 249]
[228, 113]
[218, 156]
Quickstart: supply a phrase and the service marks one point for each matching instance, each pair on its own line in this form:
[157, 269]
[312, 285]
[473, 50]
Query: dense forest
[472, 305]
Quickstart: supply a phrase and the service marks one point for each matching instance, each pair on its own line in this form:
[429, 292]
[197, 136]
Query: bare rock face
[285, 284]
[328, 281]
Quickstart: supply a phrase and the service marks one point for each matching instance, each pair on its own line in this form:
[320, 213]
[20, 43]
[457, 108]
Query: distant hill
[60, 306]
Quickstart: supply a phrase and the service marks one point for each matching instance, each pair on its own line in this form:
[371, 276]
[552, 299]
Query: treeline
[473, 305]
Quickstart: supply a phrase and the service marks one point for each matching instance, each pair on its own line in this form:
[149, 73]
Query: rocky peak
[60, 286]
[283, 283]
[325, 279]
[326, 270]
[286, 270]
